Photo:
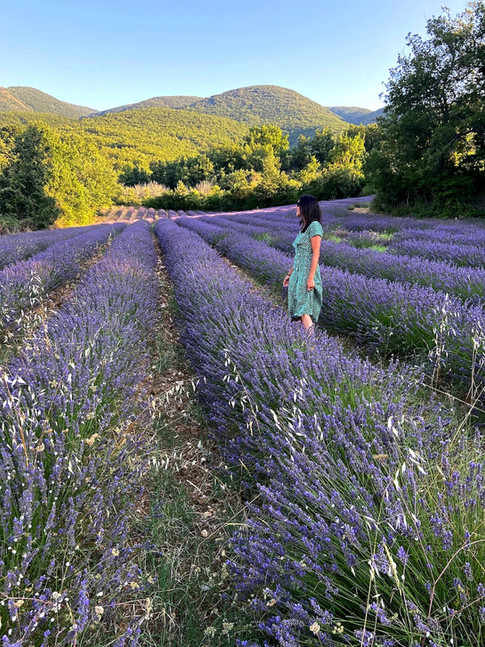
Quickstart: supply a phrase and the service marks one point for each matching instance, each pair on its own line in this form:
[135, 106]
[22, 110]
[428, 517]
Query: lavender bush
[466, 255]
[367, 525]
[22, 283]
[70, 469]
[16, 247]
[455, 234]
[387, 317]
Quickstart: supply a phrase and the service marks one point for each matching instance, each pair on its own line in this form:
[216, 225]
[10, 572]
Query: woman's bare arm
[316, 242]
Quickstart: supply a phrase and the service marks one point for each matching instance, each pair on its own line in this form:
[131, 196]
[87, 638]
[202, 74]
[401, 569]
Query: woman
[304, 281]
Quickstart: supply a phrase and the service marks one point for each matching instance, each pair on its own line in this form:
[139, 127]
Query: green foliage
[352, 114]
[262, 171]
[133, 175]
[51, 177]
[135, 195]
[299, 156]
[336, 181]
[23, 182]
[267, 135]
[136, 138]
[311, 172]
[431, 153]
[348, 151]
[156, 102]
[322, 144]
[82, 179]
[7, 142]
[191, 169]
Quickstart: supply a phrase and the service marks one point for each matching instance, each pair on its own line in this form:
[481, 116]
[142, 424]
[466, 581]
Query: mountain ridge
[254, 105]
[34, 100]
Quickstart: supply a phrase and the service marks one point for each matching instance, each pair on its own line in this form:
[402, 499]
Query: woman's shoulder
[315, 229]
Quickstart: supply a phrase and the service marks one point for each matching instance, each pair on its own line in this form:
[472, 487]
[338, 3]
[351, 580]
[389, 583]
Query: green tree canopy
[23, 182]
[432, 147]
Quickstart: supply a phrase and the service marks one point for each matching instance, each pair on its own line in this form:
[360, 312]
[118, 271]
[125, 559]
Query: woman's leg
[306, 320]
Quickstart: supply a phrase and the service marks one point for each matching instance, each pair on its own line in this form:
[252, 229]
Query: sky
[106, 53]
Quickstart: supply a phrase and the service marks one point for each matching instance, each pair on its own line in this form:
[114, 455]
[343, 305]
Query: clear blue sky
[104, 53]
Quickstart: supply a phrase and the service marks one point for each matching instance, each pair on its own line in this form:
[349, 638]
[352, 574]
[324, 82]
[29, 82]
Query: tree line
[260, 170]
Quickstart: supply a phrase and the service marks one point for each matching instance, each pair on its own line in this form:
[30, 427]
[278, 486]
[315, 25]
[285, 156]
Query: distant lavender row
[260, 227]
[336, 214]
[455, 234]
[467, 283]
[388, 317]
[463, 255]
[22, 283]
[16, 247]
[69, 474]
[351, 523]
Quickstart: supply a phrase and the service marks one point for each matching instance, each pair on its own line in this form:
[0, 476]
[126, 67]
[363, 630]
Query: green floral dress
[301, 300]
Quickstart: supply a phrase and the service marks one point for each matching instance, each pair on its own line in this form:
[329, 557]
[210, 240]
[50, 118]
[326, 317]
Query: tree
[24, 180]
[322, 144]
[302, 153]
[267, 135]
[349, 151]
[82, 179]
[432, 140]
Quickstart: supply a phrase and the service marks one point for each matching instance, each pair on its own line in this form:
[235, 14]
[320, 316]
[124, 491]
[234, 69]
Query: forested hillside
[271, 104]
[355, 115]
[25, 99]
[137, 137]
[155, 102]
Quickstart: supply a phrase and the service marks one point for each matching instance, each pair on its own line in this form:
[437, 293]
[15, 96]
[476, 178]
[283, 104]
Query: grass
[191, 513]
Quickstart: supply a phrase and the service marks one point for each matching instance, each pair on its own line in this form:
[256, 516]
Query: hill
[9, 102]
[351, 114]
[357, 116]
[33, 100]
[155, 102]
[372, 116]
[259, 104]
[142, 135]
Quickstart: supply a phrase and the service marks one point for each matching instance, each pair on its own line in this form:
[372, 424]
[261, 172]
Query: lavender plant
[70, 469]
[455, 234]
[16, 247]
[387, 317]
[465, 255]
[367, 527]
[22, 283]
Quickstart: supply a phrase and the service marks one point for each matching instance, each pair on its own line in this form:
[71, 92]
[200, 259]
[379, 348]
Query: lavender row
[69, 475]
[387, 317]
[281, 235]
[22, 283]
[226, 324]
[358, 229]
[16, 247]
[466, 283]
[337, 214]
[351, 525]
[464, 255]
[451, 234]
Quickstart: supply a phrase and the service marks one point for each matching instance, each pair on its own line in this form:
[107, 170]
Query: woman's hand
[286, 281]
[310, 283]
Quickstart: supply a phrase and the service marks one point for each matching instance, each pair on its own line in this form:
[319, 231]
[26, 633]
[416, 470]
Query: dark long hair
[309, 210]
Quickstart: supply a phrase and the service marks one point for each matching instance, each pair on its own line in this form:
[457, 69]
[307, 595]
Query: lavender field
[355, 456]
